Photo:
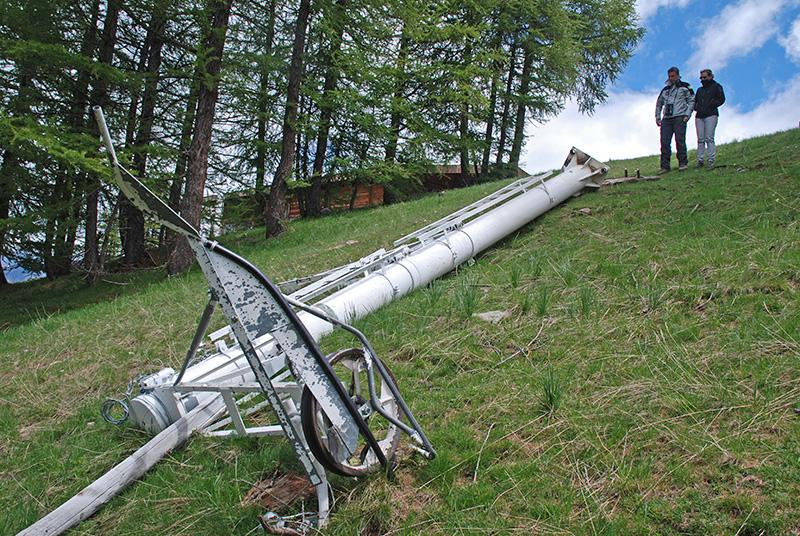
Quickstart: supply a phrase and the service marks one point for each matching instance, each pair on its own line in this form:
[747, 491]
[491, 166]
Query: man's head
[673, 75]
[706, 74]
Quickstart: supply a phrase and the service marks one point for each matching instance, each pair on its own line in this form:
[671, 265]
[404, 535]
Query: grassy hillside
[646, 382]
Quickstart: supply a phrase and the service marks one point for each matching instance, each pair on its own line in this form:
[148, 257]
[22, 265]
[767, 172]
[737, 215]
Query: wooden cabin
[241, 209]
[449, 176]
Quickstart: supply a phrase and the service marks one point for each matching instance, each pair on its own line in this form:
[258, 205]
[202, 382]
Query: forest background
[263, 97]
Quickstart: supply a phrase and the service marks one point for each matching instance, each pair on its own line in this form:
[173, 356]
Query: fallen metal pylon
[272, 350]
[330, 425]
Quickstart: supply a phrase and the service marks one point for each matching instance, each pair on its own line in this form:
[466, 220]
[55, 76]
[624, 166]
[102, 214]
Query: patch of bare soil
[373, 528]
[407, 497]
[278, 491]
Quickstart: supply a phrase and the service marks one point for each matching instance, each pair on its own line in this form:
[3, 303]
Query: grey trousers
[673, 126]
[706, 149]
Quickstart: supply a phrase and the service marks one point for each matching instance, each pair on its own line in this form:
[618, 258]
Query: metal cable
[110, 404]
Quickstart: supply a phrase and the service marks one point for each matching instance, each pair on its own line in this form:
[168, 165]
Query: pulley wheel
[324, 442]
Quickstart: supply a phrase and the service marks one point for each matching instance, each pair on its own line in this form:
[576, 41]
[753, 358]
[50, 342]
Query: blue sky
[753, 47]
[17, 275]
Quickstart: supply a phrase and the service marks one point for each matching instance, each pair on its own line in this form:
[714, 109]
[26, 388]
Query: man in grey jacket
[677, 102]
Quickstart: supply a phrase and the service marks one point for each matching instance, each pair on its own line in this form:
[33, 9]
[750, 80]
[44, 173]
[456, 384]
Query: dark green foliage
[388, 90]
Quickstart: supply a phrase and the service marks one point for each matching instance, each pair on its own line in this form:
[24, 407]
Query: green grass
[552, 391]
[36, 300]
[646, 383]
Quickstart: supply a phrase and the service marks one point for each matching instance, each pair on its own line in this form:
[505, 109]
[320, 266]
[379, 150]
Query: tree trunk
[131, 219]
[326, 106]
[519, 121]
[463, 128]
[501, 143]
[353, 196]
[197, 172]
[395, 117]
[80, 95]
[6, 191]
[176, 187]
[298, 142]
[136, 94]
[72, 228]
[99, 98]
[56, 263]
[261, 148]
[11, 169]
[80, 102]
[65, 226]
[487, 139]
[463, 146]
[104, 248]
[277, 208]
[134, 243]
[305, 111]
[3, 214]
[300, 161]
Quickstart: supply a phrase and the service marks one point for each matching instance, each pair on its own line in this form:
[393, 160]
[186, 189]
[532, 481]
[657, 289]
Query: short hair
[708, 73]
[674, 69]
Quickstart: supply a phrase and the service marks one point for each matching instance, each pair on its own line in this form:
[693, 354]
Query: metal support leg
[202, 327]
[323, 503]
[233, 411]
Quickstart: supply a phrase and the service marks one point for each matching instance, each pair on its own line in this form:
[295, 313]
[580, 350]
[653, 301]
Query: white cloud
[791, 42]
[739, 29]
[778, 112]
[648, 8]
[625, 127]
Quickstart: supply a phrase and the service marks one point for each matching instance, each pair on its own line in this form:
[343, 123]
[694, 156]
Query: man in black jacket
[709, 97]
[676, 100]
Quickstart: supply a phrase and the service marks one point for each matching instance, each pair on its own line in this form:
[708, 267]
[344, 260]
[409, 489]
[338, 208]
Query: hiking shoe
[699, 165]
[710, 165]
[662, 171]
[683, 167]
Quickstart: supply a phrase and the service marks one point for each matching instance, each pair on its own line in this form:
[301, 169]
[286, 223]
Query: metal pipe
[101, 123]
[420, 267]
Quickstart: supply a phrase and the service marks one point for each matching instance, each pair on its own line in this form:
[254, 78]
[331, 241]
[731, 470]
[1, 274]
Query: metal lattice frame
[254, 308]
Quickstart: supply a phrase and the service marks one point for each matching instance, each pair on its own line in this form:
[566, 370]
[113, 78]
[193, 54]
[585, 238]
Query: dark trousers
[677, 127]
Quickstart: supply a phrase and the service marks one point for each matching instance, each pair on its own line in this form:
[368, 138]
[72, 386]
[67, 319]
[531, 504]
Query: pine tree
[210, 57]
[278, 208]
